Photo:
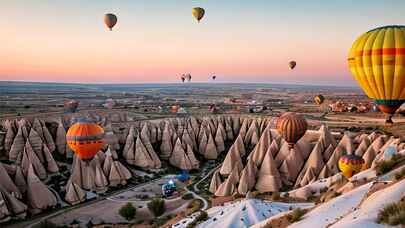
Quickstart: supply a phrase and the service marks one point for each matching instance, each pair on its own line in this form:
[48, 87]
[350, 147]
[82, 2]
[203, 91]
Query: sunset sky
[157, 40]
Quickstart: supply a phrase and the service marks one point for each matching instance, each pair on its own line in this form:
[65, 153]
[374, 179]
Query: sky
[155, 41]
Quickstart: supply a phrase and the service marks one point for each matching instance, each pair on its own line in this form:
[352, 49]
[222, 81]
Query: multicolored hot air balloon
[292, 64]
[214, 77]
[71, 106]
[319, 99]
[110, 20]
[183, 78]
[198, 13]
[85, 139]
[350, 164]
[291, 127]
[377, 61]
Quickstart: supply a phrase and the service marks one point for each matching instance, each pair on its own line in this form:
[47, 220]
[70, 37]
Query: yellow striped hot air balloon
[319, 99]
[377, 61]
[198, 13]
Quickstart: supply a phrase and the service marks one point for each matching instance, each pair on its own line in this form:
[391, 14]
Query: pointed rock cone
[260, 149]
[10, 134]
[252, 135]
[202, 141]
[179, 158]
[211, 152]
[18, 146]
[36, 144]
[247, 178]
[232, 160]
[118, 174]
[7, 183]
[345, 146]
[326, 137]
[362, 148]
[30, 158]
[314, 162]
[50, 162]
[74, 194]
[269, 179]
[10, 206]
[129, 149]
[215, 182]
[235, 125]
[166, 147]
[373, 150]
[228, 129]
[219, 141]
[61, 139]
[38, 201]
[228, 187]
[100, 180]
[142, 157]
[19, 180]
[190, 154]
[291, 166]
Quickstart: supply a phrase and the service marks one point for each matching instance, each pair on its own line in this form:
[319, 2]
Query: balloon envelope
[85, 139]
[292, 64]
[291, 127]
[350, 164]
[377, 60]
[110, 20]
[319, 99]
[198, 13]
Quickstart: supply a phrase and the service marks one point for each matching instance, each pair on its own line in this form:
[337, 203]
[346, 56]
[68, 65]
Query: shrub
[187, 196]
[400, 174]
[202, 216]
[128, 211]
[295, 215]
[393, 214]
[386, 166]
[157, 206]
[45, 224]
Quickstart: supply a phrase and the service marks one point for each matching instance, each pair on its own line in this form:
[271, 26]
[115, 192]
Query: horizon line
[193, 82]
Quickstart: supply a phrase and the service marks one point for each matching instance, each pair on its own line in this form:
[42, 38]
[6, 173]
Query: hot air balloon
[377, 61]
[174, 109]
[292, 64]
[198, 13]
[350, 164]
[188, 76]
[319, 99]
[183, 78]
[291, 127]
[71, 106]
[109, 103]
[110, 20]
[214, 77]
[85, 139]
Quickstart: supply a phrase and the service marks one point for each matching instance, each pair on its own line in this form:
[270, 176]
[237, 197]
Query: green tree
[157, 206]
[128, 211]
